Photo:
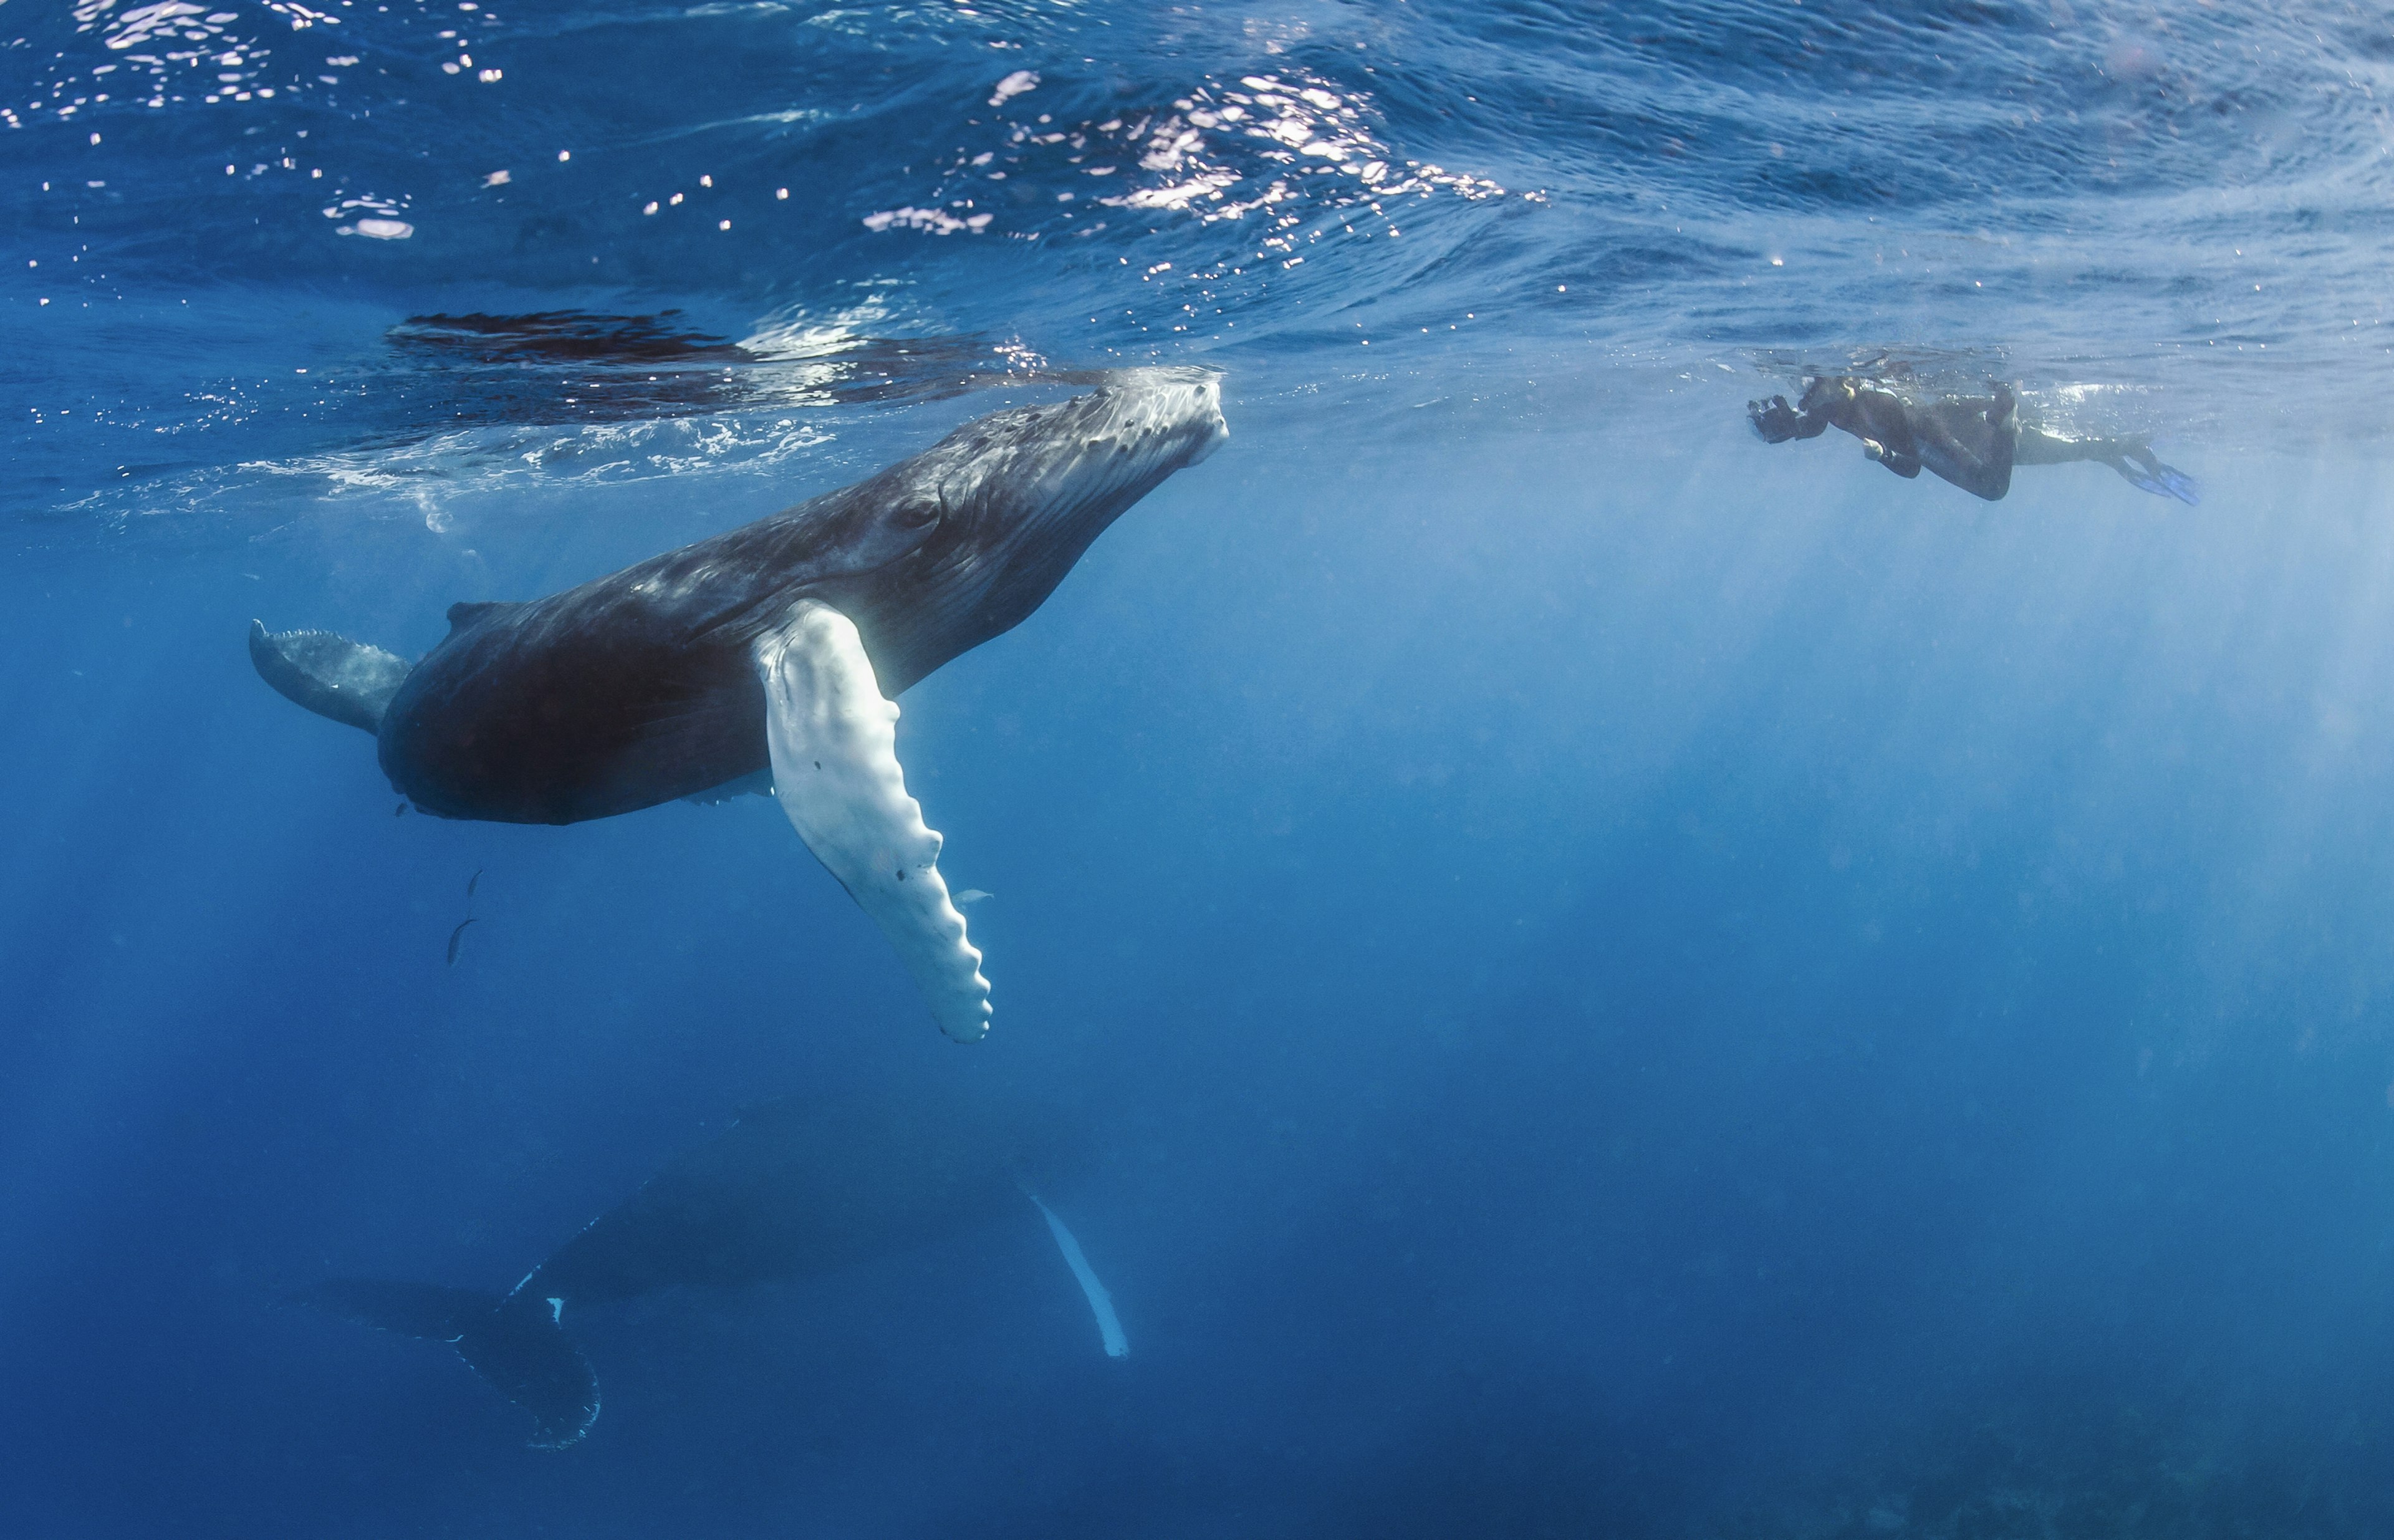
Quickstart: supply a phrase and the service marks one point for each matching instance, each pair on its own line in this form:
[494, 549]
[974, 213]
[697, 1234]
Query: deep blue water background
[1615, 979]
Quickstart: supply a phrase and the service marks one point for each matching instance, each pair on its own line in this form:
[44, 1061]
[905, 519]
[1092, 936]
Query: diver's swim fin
[331, 676]
[515, 1343]
[2161, 481]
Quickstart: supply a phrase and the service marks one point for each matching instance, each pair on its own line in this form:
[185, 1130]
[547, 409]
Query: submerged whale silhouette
[786, 1192]
[772, 648]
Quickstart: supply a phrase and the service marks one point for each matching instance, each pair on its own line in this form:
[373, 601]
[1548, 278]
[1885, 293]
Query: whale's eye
[916, 513]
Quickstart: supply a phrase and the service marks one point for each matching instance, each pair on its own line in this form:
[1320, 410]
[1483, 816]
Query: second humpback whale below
[787, 1191]
[774, 646]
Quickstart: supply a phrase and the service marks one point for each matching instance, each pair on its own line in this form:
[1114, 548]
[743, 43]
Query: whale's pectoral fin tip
[331, 675]
[1101, 1303]
[833, 739]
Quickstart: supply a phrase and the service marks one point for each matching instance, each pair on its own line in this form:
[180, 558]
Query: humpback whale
[786, 1192]
[774, 648]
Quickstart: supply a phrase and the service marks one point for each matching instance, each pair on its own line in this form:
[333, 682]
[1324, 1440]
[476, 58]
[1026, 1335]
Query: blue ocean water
[1597, 976]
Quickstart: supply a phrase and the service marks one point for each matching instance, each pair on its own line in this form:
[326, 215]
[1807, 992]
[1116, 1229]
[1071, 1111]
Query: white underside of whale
[834, 740]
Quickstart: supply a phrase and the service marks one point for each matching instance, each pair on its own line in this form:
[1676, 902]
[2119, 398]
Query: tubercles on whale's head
[1138, 427]
[1023, 493]
[1035, 476]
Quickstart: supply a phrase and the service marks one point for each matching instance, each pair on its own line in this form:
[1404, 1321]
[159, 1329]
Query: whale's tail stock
[516, 1342]
[330, 675]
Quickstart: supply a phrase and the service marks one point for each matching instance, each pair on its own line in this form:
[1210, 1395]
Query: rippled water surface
[1604, 977]
[2185, 199]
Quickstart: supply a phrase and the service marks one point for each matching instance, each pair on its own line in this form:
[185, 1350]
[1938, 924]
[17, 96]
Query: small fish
[400, 811]
[971, 896]
[455, 935]
[473, 882]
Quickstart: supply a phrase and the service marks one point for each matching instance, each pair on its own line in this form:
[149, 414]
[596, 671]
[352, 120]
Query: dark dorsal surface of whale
[786, 1192]
[774, 647]
[637, 688]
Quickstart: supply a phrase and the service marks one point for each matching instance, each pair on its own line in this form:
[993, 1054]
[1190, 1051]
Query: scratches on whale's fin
[516, 1344]
[834, 742]
[468, 614]
[331, 675]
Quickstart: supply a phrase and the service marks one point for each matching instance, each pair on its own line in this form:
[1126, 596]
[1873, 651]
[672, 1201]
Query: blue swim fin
[2160, 481]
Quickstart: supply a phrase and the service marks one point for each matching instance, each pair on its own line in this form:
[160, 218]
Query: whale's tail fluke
[330, 675]
[516, 1343]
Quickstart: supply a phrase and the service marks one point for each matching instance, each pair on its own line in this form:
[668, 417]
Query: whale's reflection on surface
[579, 366]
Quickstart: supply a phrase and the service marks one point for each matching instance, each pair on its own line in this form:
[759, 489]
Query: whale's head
[1009, 503]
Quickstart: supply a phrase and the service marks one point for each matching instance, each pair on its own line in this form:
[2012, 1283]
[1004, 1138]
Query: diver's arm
[1905, 464]
[1777, 421]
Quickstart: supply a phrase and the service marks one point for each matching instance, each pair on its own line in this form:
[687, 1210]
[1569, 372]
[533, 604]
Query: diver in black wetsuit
[1972, 441]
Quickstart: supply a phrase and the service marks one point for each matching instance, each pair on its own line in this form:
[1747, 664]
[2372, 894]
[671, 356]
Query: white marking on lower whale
[1101, 1304]
[833, 738]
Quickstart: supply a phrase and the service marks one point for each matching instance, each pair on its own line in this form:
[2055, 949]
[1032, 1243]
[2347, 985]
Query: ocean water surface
[1571, 971]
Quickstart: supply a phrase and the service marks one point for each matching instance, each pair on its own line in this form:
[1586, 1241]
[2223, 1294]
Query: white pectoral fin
[834, 742]
[1101, 1304]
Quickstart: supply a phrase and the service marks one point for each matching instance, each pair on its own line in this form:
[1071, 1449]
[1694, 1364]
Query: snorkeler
[1972, 441]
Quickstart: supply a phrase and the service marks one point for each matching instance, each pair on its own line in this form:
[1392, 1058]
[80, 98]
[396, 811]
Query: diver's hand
[1775, 420]
[1905, 466]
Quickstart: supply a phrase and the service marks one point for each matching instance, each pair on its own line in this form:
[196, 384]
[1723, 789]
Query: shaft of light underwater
[1572, 971]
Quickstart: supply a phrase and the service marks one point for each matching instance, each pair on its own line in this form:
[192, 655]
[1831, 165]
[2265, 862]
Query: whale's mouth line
[1084, 492]
[1137, 424]
[1035, 487]
[1105, 452]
